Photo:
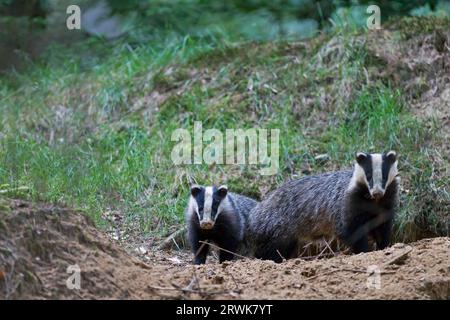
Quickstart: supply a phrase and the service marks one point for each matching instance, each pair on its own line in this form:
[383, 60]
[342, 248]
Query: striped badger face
[207, 203]
[376, 171]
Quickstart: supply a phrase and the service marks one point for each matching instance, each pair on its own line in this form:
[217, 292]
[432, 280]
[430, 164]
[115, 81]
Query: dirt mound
[417, 271]
[38, 243]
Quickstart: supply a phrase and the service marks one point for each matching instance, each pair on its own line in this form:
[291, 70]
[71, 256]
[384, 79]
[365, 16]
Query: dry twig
[172, 239]
[399, 258]
[219, 248]
[279, 253]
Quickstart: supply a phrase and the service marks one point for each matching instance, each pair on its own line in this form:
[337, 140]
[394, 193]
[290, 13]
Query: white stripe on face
[393, 171]
[359, 175]
[377, 173]
[193, 207]
[208, 204]
[224, 205]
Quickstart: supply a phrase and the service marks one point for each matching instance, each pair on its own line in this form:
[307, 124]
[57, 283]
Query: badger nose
[208, 224]
[377, 194]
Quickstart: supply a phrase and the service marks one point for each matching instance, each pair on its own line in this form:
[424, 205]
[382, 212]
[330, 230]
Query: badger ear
[391, 156]
[360, 157]
[195, 190]
[222, 191]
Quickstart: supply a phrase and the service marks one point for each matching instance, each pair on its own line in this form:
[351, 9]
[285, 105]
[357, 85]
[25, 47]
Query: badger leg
[382, 234]
[356, 234]
[200, 252]
[361, 245]
[277, 253]
[229, 244]
[269, 254]
[225, 256]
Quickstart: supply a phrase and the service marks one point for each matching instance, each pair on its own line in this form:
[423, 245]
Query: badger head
[375, 171]
[207, 203]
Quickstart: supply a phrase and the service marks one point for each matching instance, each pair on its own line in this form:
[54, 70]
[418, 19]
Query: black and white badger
[350, 204]
[216, 215]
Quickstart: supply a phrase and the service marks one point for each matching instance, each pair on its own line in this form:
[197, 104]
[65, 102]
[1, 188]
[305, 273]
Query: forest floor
[39, 242]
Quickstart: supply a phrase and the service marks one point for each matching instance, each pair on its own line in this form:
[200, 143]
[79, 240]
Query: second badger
[350, 204]
[219, 216]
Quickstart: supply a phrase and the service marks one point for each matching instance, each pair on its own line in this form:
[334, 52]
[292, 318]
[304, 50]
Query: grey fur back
[243, 206]
[306, 209]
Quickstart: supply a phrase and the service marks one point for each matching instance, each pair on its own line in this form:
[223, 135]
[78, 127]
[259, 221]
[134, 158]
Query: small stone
[141, 250]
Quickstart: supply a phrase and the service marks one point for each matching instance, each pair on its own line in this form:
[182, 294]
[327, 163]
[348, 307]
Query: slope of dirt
[420, 64]
[39, 242]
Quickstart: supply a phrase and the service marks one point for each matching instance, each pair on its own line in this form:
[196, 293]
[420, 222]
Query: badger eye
[369, 177]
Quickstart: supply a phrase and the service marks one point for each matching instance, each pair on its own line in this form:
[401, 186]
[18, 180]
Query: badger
[350, 205]
[216, 215]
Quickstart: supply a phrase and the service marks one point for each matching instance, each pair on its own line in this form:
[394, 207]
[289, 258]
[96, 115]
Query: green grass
[98, 138]
[376, 121]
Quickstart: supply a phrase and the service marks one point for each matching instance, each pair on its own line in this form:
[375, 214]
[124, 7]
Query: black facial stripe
[385, 168]
[367, 166]
[200, 199]
[215, 203]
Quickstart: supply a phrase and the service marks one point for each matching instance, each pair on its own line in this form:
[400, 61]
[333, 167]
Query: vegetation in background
[90, 125]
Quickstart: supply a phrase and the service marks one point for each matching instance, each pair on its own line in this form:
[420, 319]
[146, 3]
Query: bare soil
[38, 242]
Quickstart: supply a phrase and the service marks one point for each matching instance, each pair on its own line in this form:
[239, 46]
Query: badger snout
[377, 194]
[206, 224]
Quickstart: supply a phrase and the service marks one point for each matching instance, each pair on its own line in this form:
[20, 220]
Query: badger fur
[350, 204]
[216, 215]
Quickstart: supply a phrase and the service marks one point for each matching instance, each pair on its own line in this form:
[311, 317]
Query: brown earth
[38, 242]
[421, 66]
